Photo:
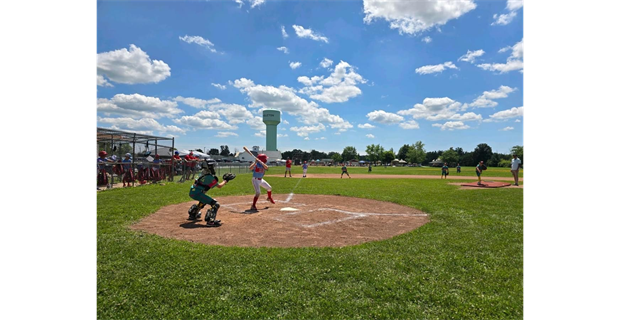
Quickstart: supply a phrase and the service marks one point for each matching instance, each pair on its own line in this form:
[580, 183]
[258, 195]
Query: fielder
[445, 170]
[305, 167]
[288, 167]
[258, 168]
[198, 191]
[344, 170]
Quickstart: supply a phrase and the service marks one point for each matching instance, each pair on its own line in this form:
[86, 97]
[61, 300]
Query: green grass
[465, 171]
[467, 263]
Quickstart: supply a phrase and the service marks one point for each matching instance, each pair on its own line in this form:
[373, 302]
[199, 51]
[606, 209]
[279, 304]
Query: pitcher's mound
[293, 221]
[486, 184]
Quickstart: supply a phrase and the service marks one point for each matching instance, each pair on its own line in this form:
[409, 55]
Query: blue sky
[446, 73]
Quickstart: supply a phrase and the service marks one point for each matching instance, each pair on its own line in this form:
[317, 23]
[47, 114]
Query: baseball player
[344, 170]
[156, 169]
[445, 171]
[479, 169]
[258, 168]
[198, 191]
[458, 168]
[305, 167]
[128, 177]
[102, 174]
[176, 160]
[288, 167]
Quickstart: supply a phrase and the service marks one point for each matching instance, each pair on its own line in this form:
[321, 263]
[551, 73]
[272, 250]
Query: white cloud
[370, 136]
[506, 114]
[305, 130]
[504, 49]
[413, 17]
[131, 66]
[514, 62]
[451, 125]
[433, 109]
[226, 134]
[204, 120]
[262, 133]
[381, 116]
[280, 135]
[471, 56]
[306, 138]
[435, 68]
[256, 2]
[321, 138]
[199, 41]
[325, 63]
[196, 103]
[365, 126]
[102, 82]
[427, 39]
[219, 86]
[285, 122]
[340, 86]
[514, 4]
[294, 65]
[503, 19]
[411, 124]
[507, 129]
[518, 120]
[308, 33]
[283, 49]
[284, 98]
[234, 113]
[284, 34]
[143, 125]
[256, 123]
[137, 105]
[487, 97]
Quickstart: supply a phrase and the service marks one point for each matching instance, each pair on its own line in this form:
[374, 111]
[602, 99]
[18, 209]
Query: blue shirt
[101, 162]
[305, 166]
[127, 166]
[259, 171]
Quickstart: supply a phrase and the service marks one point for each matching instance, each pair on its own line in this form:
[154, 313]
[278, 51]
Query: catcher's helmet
[208, 166]
[262, 157]
[103, 153]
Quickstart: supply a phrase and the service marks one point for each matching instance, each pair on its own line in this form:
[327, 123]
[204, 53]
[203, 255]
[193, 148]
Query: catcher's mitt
[228, 176]
[483, 167]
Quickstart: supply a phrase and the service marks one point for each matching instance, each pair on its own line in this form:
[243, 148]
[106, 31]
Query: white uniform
[514, 165]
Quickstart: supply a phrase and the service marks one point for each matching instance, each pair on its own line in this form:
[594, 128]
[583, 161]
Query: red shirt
[288, 163]
[176, 157]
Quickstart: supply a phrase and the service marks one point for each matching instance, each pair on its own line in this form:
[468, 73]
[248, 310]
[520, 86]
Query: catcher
[206, 181]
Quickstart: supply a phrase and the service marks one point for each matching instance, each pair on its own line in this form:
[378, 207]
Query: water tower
[271, 118]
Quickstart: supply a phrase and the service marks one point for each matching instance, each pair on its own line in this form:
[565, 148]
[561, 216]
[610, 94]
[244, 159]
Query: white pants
[257, 183]
[288, 169]
[305, 170]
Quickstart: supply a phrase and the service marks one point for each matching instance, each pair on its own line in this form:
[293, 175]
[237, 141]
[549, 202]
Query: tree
[416, 153]
[402, 152]
[483, 152]
[225, 152]
[214, 152]
[518, 150]
[459, 151]
[374, 152]
[450, 156]
[349, 153]
[335, 156]
[388, 156]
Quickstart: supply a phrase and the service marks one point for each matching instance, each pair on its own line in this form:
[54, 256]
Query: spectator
[102, 174]
[128, 177]
[175, 161]
[156, 169]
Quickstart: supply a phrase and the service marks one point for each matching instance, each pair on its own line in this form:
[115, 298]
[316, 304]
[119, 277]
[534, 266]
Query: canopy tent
[198, 154]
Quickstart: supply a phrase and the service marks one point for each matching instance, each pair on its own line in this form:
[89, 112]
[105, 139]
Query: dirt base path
[398, 176]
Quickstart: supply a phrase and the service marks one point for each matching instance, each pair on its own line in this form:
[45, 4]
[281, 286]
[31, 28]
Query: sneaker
[516, 184]
[215, 223]
[271, 200]
[479, 183]
[192, 217]
[253, 208]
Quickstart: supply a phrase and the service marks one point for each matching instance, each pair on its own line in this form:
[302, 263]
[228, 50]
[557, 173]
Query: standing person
[176, 159]
[188, 160]
[128, 177]
[102, 174]
[305, 167]
[258, 168]
[156, 169]
[458, 168]
[369, 167]
[445, 170]
[514, 168]
[198, 191]
[479, 169]
[344, 170]
[288, 167]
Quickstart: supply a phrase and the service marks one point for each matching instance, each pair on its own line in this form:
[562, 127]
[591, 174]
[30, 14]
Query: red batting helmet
[103, 153]
[262, 157]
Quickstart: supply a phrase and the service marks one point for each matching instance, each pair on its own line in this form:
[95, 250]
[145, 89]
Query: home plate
[289, 209]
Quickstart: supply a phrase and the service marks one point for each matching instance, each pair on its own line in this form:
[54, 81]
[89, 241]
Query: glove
[228, 176]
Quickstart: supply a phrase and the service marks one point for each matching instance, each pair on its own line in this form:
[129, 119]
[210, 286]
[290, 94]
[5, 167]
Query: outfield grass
[465, 171]
[467, 263]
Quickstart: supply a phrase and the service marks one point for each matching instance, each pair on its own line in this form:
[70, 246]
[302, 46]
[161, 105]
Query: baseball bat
[248, 151]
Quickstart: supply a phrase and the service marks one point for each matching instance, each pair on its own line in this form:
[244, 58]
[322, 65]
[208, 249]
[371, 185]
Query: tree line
[414, 153]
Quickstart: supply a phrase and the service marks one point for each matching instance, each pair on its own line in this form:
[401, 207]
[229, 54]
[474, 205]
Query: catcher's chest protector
[207, 180]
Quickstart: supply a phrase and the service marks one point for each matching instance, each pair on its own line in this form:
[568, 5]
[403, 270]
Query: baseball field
[464, 262]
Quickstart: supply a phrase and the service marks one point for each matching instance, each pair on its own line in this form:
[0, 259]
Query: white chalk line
[353, 215]
[290, 196]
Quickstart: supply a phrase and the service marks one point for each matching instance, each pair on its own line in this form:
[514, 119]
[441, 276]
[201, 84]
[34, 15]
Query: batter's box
[327, 216]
